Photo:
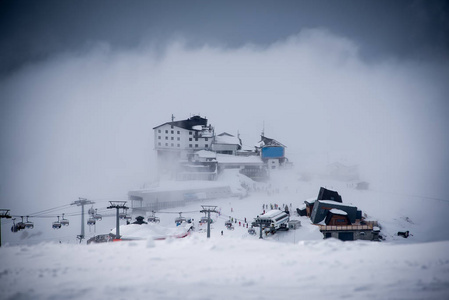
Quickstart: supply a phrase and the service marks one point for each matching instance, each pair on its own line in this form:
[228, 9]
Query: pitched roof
[270, 142]
[187, 124]
[226, 138]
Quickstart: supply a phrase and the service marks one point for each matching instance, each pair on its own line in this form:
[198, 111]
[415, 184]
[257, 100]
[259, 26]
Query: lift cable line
[48, 210]
[81, 202]
[4, 213]
[117, 205]
[208, 209]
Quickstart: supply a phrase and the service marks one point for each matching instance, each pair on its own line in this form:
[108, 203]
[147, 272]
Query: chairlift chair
[91, 210]
[28, 224]
[56, 225]
[180, 219]
[97, 216]
[64, 221]
[91, 221]
[14, 226]
[122, 215]
[153, 218]
[21, 225]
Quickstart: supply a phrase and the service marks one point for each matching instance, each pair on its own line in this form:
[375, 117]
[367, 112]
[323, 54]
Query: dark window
[172, 131]
[166, 131]
[206, 139]
[172, 144]
[166, 137]
[196, 139]
[190, 145]
[159, 131]
[172, 127]
[159, 137]
[207, 146]
[190, 132]
[190, 139]
[172, 138]
[179, 139]
[166, 144]
[196, 145]
[158, 144]
[179, 145]
[178, 132]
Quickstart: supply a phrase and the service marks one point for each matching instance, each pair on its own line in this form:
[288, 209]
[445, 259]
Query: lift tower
[4, 213]
[81, 202]
[208, 209]
[117, 205]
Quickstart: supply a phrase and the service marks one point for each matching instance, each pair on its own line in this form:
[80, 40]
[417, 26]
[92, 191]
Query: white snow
[237, 265]
[338, 212]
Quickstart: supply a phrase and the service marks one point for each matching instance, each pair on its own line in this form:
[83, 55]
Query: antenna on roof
[263, 128]
[172, 117]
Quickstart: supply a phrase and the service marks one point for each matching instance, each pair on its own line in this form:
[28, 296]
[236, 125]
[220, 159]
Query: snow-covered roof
[333, 203]
[229, 159]
[338, 212]
[206, 154]
[226, 138]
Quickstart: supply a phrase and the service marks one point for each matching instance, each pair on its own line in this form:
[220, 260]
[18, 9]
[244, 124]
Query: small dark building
[309, 206]
[302, 212]
[322, 207]
[326, 194]
[139, 220]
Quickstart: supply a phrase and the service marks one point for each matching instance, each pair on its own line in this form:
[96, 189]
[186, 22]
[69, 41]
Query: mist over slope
[80, 123]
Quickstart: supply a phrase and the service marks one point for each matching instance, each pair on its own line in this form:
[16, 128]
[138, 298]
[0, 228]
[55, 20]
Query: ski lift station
[185, 192]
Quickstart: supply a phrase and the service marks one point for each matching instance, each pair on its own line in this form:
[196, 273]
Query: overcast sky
[82, 84]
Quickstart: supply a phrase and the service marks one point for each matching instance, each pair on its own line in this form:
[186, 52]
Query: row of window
[178, 145]
[178, 138]
[173, 132]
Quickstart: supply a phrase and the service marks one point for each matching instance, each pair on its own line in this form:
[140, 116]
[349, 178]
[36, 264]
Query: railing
[367, 226]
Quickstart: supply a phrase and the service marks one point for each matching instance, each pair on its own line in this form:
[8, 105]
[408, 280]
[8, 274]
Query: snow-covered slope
[226, 268]
[235, 264]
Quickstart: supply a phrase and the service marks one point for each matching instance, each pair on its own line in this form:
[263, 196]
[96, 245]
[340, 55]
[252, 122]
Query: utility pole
[4, 213]
[81, 202]
[117, 205]
[208, 209]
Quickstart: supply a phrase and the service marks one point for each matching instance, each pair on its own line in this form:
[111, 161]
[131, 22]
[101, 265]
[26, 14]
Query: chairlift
[14, 226]
[20, 225]
[97, 216]
[180, 219]
[91, 221]
[153, 218]
[122, 215]
[28, 224]
[64, 221]
[91, 210]
[57, 224]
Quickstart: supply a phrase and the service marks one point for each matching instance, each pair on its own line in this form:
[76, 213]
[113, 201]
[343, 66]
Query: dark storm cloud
[35, 30]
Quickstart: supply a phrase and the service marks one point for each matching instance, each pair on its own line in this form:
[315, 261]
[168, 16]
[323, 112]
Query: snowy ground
[297, 263]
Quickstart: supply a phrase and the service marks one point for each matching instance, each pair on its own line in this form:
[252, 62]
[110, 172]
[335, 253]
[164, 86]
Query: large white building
[178, 140]
[190, 150]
